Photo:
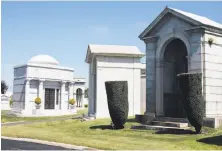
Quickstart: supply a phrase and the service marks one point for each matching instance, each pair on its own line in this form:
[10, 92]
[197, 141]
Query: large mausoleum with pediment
[181, 42]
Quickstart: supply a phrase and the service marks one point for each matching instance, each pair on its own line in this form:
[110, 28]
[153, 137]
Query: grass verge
[5, 117]
[96, 134]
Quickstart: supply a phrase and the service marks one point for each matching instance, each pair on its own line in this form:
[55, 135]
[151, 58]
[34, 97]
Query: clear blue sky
[64, 29]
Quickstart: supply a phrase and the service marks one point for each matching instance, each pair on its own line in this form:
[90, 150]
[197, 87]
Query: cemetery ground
[98, 134]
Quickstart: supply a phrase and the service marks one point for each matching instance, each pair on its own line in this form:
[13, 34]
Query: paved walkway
[38, 121]
[22, 145]
[9, 143]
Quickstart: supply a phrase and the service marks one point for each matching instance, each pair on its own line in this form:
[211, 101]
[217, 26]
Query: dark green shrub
[117, 97]
[191, 91]
[86, 105]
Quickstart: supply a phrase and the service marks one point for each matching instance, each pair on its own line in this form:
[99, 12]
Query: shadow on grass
[176, 132]
[131, 120]
[215, 140]
[102, 127]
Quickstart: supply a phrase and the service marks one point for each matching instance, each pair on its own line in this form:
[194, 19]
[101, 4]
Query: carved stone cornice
[27, 80]
[199, 29]
[71, 83]
[41, 80]
[215, 30]
[63, 82]
[150, 39]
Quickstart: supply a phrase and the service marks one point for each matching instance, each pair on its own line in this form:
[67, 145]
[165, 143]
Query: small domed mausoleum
[55, 85]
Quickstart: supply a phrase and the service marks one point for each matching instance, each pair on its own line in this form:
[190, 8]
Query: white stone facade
[39, 76]
[113, 63]
[143, 88]
[201, 57]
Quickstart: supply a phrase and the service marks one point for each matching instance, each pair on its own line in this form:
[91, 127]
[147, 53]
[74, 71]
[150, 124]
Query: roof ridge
[197, 16]
[111, 45]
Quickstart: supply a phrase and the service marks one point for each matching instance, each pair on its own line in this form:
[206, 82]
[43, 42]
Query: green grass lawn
[5, 117]
[81, 133]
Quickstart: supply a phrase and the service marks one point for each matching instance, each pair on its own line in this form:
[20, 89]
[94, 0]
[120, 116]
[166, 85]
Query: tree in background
[4, 87]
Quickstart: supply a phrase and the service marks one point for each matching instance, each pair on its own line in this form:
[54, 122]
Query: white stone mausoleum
[181, 42]
[113, 63]
[43, 77]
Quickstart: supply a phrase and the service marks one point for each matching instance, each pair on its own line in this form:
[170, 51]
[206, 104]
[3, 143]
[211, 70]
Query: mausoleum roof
[43, 59]
[201, 19]
[114, 50]
[197, 20]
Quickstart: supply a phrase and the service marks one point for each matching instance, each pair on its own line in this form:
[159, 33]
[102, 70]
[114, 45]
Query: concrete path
[9, 143]
[38, 121]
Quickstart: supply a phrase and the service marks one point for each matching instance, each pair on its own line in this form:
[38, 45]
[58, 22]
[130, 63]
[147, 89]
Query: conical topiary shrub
[117, 97]
[191, 91]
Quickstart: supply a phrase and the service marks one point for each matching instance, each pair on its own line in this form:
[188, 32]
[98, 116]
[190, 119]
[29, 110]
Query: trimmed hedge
[117, 97]
[191, 89]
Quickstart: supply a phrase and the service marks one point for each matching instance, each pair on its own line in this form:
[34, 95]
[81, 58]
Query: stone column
[90, 105]
[63, 101]
[41, 94]
[74, 95]
[159, 87]
[71, 90]
[82, 99]
[150, 74]
[27, 102]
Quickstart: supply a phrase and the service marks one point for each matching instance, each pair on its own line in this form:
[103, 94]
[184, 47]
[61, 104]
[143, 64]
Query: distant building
[5, 101]
[43, 77]
[79, 92]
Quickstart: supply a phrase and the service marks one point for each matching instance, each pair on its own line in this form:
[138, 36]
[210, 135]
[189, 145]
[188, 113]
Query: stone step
[169, 124]
[170, 119]
[155, 127]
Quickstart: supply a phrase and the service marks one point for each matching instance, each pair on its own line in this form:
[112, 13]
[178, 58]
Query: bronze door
[49, 98]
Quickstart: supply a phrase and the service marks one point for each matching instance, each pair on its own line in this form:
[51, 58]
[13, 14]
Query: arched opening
[79, 97]
[175, 62]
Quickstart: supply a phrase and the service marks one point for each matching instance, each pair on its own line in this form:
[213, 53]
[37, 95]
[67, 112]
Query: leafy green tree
[4, 87]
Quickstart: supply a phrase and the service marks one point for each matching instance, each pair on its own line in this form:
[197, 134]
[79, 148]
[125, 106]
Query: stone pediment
[168, 25]
[170, 20]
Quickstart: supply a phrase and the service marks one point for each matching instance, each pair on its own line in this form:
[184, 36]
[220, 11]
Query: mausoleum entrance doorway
[175, 62]
[79, 94]
[49, 98]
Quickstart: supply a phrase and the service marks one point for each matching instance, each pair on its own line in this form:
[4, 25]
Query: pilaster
[64, 102]
[151, 44]
[41, 93]
[27, 99]
[71, 90]
[159, 89]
